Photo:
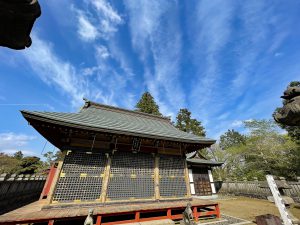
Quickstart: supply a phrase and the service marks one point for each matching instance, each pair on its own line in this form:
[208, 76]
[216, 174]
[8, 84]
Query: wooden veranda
[109, 214]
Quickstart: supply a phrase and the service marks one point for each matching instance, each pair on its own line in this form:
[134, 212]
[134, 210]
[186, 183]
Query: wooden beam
[187, 179]
[218, 211]
[156, 177]
[105, 180]
[195, 211]
[55, 180]
[98, 222]
[137, 216]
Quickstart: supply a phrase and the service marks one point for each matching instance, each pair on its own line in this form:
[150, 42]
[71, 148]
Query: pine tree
[147, 105]
[185, 123]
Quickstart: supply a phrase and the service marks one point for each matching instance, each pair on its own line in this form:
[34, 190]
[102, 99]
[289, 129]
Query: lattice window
[172, 180]
[131, 176]
[81, 177]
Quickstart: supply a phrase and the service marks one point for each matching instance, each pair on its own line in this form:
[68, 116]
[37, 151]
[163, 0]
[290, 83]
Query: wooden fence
[16, 191]
[253, 188]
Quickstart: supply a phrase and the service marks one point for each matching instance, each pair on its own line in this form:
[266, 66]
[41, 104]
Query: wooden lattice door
[201, 182]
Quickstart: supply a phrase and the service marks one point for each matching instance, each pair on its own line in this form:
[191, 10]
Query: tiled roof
[100, 117]
[203, 161]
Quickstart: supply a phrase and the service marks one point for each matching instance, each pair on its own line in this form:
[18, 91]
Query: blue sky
[226, 61]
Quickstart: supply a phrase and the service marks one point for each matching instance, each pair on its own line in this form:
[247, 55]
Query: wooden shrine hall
[126, 165]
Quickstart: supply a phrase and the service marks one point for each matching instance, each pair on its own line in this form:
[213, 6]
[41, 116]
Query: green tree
[263, 150]
[231, 138]
[18, 155]
[29, 165]
[268, 151]
[51, 157]
[185, 123]
[147, 105]
[8, 164]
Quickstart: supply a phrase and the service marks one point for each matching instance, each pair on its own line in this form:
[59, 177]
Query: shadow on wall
[16, 191]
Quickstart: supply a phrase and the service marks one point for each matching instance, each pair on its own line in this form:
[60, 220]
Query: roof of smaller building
[99, 117]
[191, 155]
[203, 161]
[196, 158]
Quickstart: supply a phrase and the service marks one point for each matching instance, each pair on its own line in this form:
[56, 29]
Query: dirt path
[248, 208]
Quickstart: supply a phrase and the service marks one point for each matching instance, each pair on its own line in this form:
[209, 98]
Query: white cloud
[89, 71]
[13, 151]
[86, 30]
[157, 38]
[107, 10]
[13, 141]
[56, 72]
[100, 20]
[102, 52]
[237, 123]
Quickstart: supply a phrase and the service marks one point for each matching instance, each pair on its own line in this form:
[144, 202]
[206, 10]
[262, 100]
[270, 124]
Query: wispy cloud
[157, 39]
[55, 71]
[102, 52]
[64, 76]
[211, 31]
[13, 151]
[86, 30]
[237, 123]
[98, 21]
[11, 142]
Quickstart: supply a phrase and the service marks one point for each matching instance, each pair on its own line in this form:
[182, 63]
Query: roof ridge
[89, 103]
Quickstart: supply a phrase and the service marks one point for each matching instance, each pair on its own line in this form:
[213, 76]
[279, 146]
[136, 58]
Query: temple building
[115, 156]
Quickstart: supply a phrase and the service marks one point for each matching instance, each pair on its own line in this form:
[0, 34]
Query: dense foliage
[19, 164]
[147, 105]
[231, 138]
[187, 124]
[262, 151]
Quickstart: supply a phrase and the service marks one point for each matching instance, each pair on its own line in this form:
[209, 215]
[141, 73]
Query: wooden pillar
[156, 177]
[98, 222]
[105, 180]
[137, 216]
[218, 211]
[50, 222]
[187, 179]
[48, 182]
[195, 211]
[169, 214]
[55, 180]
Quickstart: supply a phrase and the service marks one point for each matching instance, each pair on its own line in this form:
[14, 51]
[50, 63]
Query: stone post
[245, 186]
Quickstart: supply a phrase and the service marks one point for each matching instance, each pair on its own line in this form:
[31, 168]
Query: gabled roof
[196, 158]
[99, 117]
[203, 161]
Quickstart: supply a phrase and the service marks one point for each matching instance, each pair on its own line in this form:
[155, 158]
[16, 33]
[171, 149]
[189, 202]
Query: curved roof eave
[31, 115]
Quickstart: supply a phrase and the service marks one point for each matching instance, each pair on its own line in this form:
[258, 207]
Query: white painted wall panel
[211, 179]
